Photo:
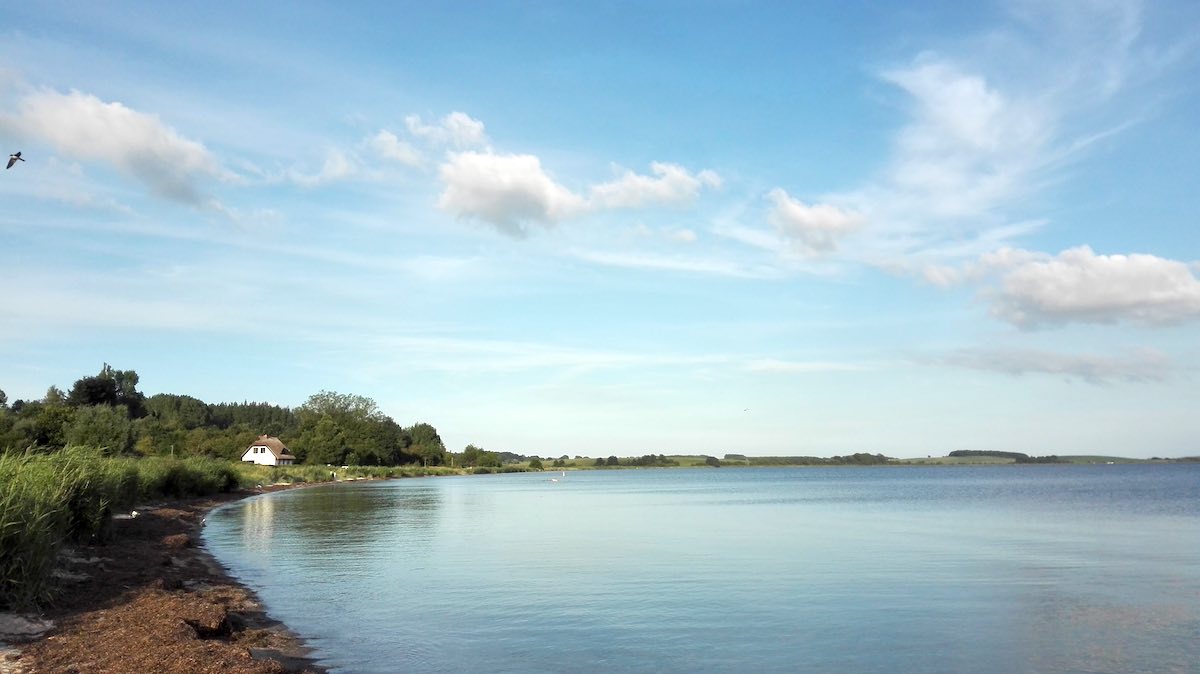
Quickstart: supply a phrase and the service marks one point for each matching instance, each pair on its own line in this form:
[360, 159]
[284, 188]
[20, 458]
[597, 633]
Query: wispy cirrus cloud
[713, 266]
[466, 354]
[988, 124]
[1138, 366]
[773, 365]
[389, 146]
[338, 166]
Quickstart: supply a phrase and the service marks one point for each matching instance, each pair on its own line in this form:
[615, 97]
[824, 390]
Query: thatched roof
[275, 445]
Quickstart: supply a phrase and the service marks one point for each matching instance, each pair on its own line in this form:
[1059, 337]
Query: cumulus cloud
[506, 190]
[1081, 286]
[1145, 365]
[457, 129]
[387, 145]
[84, 127]
[510, 190]
[670, 184]
[810, 229]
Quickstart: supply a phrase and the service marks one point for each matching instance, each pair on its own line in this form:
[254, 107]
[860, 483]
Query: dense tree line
[1019, 457]
[107, 411]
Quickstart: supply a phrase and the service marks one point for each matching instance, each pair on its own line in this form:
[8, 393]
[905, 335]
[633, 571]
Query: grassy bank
[250, 475]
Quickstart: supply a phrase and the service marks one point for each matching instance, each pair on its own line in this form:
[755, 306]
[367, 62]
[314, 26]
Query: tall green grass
[48, 499]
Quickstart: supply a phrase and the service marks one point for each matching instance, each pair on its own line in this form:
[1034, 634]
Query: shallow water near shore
[1047, 568]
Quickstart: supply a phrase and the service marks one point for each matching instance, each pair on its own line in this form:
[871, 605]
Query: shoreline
[152, 599]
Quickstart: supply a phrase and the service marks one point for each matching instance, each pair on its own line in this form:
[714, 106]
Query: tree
[3, 399]
[613, 461]
[427, 444]
[111, 387]
[712, 461]
[54, 396]
[323, 443]
[43, 425]
[178, 411]
[535, 464]
[599, 462]
[342, 405]
[470, 456]
[103, 427]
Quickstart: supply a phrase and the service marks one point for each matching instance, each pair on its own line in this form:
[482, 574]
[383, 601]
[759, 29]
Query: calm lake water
[890, 569]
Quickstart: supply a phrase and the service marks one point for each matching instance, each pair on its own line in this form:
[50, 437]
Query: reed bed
[251, 474]
[49, 499]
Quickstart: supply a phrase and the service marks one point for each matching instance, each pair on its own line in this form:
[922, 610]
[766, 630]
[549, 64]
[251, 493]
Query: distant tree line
[108, 412]
[1015, 456]
[859, 459]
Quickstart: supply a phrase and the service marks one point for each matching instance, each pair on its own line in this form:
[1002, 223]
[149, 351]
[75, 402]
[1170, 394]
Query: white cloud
[994, 121]
[457, 129]
[1080, 286]
[810, 229]
[1145, 365]
[82, 126]
[506, 190]
[967, 150]
[671, 184]
[387, 145]
[1000, 260]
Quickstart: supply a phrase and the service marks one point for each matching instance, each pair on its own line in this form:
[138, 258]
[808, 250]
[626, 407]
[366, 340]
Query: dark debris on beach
[149, 600]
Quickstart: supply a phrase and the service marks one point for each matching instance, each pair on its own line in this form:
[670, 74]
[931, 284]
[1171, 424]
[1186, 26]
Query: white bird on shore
[12, 159]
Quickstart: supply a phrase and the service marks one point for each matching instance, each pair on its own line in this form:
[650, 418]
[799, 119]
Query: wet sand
[150, 600]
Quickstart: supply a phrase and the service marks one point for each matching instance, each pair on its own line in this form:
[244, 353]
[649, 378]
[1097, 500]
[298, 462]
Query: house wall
[259, 454]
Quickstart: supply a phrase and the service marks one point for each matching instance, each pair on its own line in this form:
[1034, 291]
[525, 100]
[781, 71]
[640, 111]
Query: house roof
[274, 444]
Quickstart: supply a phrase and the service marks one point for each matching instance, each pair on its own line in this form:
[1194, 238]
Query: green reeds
[47, 499]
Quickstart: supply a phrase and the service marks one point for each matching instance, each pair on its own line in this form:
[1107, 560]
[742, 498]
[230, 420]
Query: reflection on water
[1041, 568]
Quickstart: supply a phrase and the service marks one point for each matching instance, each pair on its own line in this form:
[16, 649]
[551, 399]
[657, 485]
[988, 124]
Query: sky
[620, 227]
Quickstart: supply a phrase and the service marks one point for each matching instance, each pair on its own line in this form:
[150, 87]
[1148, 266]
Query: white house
[268, 451]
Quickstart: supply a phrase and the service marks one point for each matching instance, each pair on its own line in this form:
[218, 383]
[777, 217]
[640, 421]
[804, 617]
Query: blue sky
[620, 227]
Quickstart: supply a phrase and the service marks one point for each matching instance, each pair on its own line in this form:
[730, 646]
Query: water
[890, 569]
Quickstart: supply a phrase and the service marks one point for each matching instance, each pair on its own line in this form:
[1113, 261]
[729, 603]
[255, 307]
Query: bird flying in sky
[12, 159]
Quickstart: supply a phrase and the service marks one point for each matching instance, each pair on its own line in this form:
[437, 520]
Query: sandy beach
[150, 600]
